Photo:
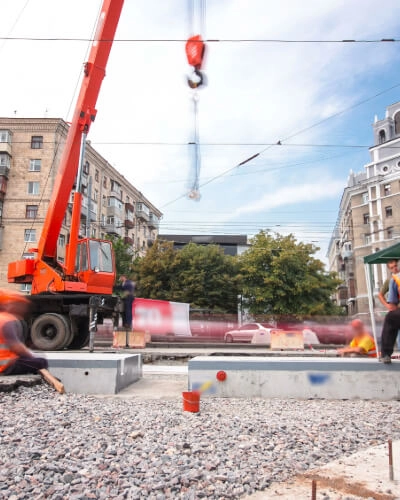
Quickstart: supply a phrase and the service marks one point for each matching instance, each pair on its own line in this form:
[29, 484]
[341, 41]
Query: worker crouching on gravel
[15, 358]
[362, 344]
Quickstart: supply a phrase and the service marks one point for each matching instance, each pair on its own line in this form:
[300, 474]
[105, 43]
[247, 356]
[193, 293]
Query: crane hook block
[195, 48]
[196, 79]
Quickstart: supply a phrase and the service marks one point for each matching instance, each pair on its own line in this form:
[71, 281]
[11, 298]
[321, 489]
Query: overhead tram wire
[384, 40]
[5, 39]
[281, 141]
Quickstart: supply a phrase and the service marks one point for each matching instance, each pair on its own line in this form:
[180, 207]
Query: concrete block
[95, 373]
[296, 377]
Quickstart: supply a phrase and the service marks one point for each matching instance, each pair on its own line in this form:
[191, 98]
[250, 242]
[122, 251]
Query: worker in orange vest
[362, 344]
[15, 357]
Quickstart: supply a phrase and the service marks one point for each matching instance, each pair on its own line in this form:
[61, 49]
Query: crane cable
[195, 49]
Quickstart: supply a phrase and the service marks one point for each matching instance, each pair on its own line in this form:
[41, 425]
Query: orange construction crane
[69, 296]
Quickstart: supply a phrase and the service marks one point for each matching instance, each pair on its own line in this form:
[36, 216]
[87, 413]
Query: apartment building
[30, 150]
[369, 216]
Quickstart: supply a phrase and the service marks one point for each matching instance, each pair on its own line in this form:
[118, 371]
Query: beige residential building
[30, 150]
[369, 216]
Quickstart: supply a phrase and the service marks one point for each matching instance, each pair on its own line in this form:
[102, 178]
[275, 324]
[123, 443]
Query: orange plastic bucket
[191, 401]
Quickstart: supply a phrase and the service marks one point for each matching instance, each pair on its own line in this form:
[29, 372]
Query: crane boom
[84, 115]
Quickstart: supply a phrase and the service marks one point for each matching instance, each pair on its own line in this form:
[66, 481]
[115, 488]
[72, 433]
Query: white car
[246, 332]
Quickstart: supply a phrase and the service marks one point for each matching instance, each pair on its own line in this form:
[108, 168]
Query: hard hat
[357, 323]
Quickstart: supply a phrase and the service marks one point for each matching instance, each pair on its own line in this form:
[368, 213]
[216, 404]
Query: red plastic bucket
[191, 401]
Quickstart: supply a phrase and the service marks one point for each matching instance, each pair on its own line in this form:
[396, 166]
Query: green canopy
[383, 256]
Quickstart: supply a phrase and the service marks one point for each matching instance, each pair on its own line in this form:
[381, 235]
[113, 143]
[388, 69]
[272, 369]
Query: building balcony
[5, 170]
[5, 147]
[112, 229]
[154, 221]
[347, 254]
[114, 211]
[3, 187]
[116, 193]
[128, 240]
[142, 212]
[129, 207]
[129, 223]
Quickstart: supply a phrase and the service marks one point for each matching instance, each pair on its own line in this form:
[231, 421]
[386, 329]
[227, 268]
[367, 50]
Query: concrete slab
[95, 373]
[297, 378]
[364, 474]
[9, 383]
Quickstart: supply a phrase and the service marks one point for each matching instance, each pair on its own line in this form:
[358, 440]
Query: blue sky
[257, 93]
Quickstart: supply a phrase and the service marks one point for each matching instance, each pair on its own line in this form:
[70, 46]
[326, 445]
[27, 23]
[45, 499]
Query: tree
[123, 256]
[280, 276]
[201, 275]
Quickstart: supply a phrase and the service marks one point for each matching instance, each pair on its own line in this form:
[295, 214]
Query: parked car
[246, 332]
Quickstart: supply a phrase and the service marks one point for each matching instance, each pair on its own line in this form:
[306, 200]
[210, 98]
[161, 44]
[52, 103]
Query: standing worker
[382, 295]
[391, 323]
[128, 294]
[15, 358]
[383, 292]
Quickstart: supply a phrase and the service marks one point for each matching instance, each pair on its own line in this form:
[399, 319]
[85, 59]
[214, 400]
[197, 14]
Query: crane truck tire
[81, 335]
[50, 332]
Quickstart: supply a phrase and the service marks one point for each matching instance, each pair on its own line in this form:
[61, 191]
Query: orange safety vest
[6, 355]
[396, 278]
[371, 353]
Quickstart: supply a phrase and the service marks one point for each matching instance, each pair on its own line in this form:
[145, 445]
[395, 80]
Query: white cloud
[291, 195]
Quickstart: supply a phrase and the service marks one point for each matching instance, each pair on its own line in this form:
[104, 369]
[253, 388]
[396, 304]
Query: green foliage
[200, 275]
[281, 277]
[123, 256]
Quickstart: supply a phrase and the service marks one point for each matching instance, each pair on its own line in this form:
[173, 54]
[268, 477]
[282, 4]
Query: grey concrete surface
[362, 475]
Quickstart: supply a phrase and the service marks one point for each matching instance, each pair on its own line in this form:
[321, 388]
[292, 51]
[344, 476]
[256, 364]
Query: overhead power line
[208, 40]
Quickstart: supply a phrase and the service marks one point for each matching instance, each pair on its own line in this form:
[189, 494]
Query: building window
[114, 202]
[31, 211]
[5, 160]
[367, 239]
[389, 231]
[365, 197]
[366, 218]
[397, 123]
[388, 211]
[382, 137]
[104, 182]
[104, 200]
[96, 175]
[61, 240]
[93, 232]
[86, 168]
[35, 165]
[37, 142]
[5, 136]
[29, 235]
[33, 187]
[95, 195]
[387, 189]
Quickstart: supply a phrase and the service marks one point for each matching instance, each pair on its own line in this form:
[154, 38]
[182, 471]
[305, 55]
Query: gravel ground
[82, 447]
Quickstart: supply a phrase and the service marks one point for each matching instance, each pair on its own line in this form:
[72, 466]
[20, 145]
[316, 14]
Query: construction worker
[362, 344]
[383, 292]
[391, 325]
[128, 293]
[15, 358]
